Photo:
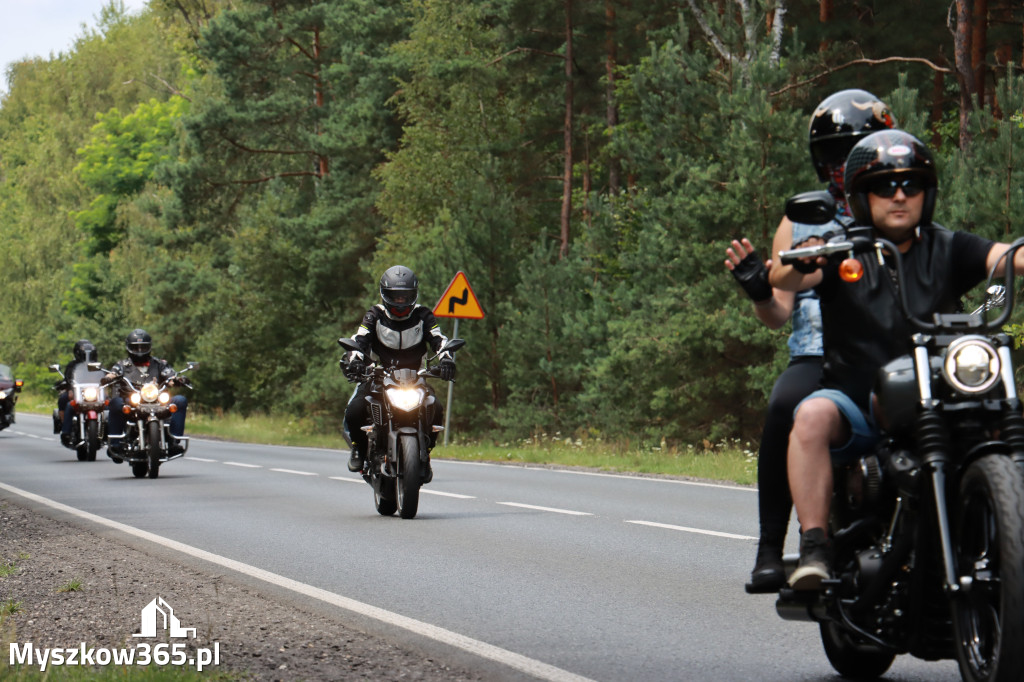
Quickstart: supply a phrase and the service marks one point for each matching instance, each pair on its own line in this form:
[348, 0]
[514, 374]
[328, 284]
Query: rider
[398, 332]
[837, 123]
[140, 366]
[891, 185]
[83, 353]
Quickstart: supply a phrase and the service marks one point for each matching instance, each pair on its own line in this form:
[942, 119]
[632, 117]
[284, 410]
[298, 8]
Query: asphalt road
[599, 576]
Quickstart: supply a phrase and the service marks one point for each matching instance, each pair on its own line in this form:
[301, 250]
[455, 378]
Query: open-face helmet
[839, 122]
[884, 156]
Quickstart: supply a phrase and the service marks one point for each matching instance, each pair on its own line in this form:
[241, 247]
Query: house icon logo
[159, 614]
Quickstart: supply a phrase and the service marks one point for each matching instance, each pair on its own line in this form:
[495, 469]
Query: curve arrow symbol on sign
[461, 301]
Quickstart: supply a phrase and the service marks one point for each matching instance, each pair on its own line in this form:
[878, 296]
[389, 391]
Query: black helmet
[839, 121]
[399, 289]
[138, 344]
[883, 154]
[84, 351]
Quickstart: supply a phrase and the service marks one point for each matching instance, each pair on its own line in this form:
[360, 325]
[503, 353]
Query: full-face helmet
[138, 344]
[889, 155]
[839, 122]
[84, 351]
[399, 289]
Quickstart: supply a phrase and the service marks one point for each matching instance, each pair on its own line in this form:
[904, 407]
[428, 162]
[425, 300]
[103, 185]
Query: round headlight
[164, 398]
[150, 392]
[972, 365]
[90, 393]
[3, 395]
[135, 399]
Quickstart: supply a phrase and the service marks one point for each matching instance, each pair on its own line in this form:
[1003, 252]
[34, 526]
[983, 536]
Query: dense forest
[234, 175]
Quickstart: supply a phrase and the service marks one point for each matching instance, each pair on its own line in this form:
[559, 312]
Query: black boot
[769, 574]
[355, 460]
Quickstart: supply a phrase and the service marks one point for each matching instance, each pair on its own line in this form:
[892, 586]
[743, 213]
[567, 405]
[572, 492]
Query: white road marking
[202, 459]
[538, 669]
[346, 479]
[243, 464]
[438, 492]
[547, 509]
[297, 473]
[694, 530]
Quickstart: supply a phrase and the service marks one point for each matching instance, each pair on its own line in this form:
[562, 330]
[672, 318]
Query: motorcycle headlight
[405, 398]
[135, 398]
[150, 392]
[3, 395]
[164, 398]
[972, 365]
[90, 394]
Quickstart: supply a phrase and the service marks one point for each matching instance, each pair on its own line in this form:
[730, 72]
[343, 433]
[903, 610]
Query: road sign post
[459, 302]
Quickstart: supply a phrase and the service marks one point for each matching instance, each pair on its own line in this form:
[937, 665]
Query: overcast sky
[37, 28]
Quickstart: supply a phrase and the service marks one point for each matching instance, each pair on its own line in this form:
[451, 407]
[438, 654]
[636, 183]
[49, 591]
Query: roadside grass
[7, 568]
[733, 461]
[73, 585]
[112, 673]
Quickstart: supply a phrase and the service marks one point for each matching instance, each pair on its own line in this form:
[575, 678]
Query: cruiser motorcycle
[147, 439]
[928, 529]
[89, 411]
[402, 408]
[9, 390]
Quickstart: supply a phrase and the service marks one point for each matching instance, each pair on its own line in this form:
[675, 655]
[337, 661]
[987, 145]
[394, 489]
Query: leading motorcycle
[928, 529]
[397, 462]
[147, 439]
[9, 390]
[88, 405]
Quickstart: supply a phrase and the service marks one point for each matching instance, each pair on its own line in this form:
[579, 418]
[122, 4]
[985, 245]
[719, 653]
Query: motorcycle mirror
[55, 368]
[453, 345]
[191, 365]
[349, 344]
[811, 208]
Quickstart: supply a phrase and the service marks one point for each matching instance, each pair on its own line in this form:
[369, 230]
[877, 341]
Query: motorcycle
[9, 390]
[928, 529]
[401, 407]
[88, 404]
[147, 439]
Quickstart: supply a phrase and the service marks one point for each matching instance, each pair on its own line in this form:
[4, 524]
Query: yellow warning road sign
[459, 301]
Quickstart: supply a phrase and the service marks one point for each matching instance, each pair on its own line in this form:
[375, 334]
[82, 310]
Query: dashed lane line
[547, 509]
[699, 531]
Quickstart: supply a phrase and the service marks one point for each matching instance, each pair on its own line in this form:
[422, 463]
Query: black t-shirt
[862, 322]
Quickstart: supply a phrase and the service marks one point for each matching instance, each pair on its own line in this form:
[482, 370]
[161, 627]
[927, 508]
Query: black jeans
[800, 379]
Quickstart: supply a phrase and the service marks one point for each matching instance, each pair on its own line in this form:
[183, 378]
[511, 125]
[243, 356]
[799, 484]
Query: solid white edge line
[519, 662]
[297, 473]
[547, 509]
[700, 531]
[243, 464]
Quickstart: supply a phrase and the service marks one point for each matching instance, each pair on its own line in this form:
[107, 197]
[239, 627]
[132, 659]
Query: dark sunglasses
[886, 189]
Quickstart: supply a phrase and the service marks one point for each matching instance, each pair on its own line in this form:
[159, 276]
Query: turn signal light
[126, 409]
[851, 270]
[172, 408]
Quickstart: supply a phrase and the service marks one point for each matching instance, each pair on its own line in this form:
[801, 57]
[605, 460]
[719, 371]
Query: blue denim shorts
[864, 433]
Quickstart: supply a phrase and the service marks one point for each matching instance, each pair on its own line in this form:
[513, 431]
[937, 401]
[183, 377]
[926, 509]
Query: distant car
[9, 390]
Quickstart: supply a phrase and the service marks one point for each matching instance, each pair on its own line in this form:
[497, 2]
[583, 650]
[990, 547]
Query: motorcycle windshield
[83, 375]
[5, 373]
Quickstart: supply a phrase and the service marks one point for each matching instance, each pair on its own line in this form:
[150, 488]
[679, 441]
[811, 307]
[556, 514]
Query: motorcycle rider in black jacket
[140, 366]
[83, 352]
[397, 332]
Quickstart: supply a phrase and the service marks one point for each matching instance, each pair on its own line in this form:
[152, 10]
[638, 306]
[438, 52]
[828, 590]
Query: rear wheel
[153, 447]
[409, 478]
[384, 496]
[988, 532]
[853, 658]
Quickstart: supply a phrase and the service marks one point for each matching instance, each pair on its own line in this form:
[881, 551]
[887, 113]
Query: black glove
[753, 277]
[355, 370]
[447, 370]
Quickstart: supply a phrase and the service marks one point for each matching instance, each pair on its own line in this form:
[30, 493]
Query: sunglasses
[886, 189]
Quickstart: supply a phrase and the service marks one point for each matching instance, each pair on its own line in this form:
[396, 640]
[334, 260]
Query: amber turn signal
[851, 270]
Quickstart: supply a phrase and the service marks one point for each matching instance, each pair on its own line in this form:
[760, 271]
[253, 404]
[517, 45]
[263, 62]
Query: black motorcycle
[88, 405]
[401, 407]
[928, 529]
[147, 440]
[9, 390]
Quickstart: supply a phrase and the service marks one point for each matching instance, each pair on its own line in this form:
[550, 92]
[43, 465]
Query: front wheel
[409, 478]
[153, 447]
[988, 532]
[852, 658]
[92, 439]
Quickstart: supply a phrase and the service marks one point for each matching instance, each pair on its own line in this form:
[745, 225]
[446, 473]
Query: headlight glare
[405, 399]
[90, 394]
[150, 392]
[135, 398]
[164, 398]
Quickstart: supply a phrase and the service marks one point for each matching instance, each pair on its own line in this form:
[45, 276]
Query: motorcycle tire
[409, 478]
[853, 658]
[139, 470]
[92, 440]
[82, 453]
[153, 448]
[988, 536]
[384, 496]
